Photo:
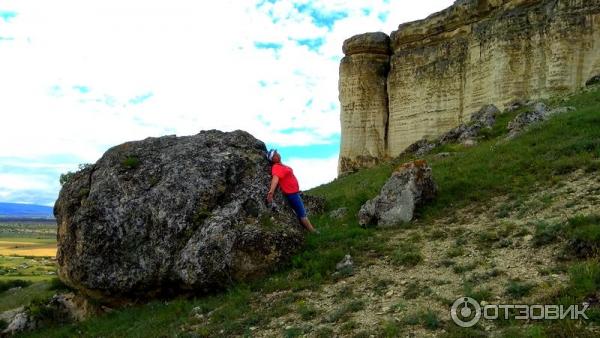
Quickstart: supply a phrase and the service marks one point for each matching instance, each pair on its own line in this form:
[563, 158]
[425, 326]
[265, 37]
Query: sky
[80, 76]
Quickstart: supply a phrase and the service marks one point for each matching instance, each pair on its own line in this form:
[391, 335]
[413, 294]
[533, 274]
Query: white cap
[270, 154]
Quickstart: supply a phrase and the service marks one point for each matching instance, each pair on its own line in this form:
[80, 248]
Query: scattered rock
[514, 105]
[73, 307]
[561, 110]
[172, 215]
[486, 116]
[419, 148]
[469, 143]
[539, 112]
[523, 120]
[443, 154]
[20, 322]
[409, 187]
[339, 213]
[345, 263]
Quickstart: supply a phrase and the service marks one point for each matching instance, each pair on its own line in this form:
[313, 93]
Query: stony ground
[478, 249]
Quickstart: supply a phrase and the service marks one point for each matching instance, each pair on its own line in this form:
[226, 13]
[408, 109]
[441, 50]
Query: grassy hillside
[514, 221]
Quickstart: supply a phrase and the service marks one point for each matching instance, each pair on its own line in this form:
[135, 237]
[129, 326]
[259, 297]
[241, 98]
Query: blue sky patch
[366, 11]
[319, 17]
[7, 15]
[309, 151]
[268, 45]
[82, 89]
[321, 150]
[382, 16]
[312, 44]
[263, 2]
[141, 98]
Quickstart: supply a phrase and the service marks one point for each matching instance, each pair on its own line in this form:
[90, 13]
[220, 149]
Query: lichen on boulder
[172, 215]
[408, 188]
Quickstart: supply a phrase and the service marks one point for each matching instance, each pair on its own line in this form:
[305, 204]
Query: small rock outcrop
[409, 187]
[172, 215]
[338, 213]
[537, 113]
[466, 134]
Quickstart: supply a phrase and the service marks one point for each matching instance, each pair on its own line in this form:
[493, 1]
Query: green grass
[517, 289]
[539, 158]
[23, 296]
[581, 235]
[407, 254]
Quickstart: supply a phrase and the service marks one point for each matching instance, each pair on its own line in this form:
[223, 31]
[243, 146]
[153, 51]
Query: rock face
[172, 214]
[445, 67]
[363, 97]
[409, 187]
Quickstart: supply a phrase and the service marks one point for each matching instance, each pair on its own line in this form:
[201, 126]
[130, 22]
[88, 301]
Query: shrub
[64, 178]
[306, 312]
[130, 162]
[428, 319]
[407, 254]
[518, 289]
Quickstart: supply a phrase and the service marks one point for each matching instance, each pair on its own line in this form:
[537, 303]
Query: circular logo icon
[465, 312]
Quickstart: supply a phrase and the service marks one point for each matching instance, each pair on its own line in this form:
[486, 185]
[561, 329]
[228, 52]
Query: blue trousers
[296, 203]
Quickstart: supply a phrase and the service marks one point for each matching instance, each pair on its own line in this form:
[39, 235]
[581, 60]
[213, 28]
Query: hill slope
[515, 222]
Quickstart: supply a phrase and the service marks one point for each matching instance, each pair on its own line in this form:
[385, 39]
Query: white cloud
[312, 172]
[197, 58]
[23, 182]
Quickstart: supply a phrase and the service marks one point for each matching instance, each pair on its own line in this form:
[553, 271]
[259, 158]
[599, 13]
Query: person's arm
[274, 182]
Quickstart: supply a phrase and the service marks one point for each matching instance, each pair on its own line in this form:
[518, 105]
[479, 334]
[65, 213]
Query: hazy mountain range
[18, 210]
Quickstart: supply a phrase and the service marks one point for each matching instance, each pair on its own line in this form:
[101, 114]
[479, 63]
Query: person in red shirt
[288, 184]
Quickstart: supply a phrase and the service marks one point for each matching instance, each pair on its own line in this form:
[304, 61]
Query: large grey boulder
[409, 187]
[172, 215]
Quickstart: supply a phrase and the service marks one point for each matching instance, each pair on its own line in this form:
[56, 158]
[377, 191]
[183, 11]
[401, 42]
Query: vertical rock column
[364, 101]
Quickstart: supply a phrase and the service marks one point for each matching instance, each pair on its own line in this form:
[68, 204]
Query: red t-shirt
[287, 181]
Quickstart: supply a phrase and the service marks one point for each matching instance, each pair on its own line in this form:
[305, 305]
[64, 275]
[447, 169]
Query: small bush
[64, 178]
[428, 319]
[477, 294]
[584, 236]
[455, 251]
[438, 234]
[581, 232]
[517, 289]
[462, 268]
[307, 312]
[415, 290]
[389, 329]
[130, 162]
[546, 233]
[407, 254]
[342, 313]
